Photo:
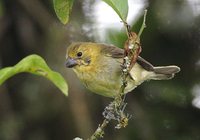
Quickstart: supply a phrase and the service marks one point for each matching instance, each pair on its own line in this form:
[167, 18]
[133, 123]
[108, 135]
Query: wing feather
[116, 52]
[112, 51]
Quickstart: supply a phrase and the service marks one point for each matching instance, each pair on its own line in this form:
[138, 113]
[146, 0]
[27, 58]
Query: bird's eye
[79, 54]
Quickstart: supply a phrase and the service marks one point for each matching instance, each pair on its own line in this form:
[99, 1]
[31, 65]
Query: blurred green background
[32, 108]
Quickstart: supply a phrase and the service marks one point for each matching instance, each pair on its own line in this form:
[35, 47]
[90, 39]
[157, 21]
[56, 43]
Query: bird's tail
[165, 72]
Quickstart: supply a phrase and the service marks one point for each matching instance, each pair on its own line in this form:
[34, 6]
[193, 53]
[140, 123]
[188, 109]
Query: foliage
[34, 64]
[64, 7]
[120, 7]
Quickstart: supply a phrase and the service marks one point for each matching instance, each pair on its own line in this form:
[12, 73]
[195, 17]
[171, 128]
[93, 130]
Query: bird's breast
[103, 79]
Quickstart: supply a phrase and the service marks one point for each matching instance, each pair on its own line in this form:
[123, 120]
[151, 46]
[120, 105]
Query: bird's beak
[70, 62]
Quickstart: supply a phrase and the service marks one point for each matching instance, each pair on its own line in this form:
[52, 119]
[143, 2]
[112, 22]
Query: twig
[99, 131]
[115, 110]
[143, 24]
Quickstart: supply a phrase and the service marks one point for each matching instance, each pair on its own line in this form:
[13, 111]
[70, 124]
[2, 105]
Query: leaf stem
[143, 24]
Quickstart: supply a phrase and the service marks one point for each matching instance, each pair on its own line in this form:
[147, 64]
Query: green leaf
[120, 7]
[36, 65]
[63, 9]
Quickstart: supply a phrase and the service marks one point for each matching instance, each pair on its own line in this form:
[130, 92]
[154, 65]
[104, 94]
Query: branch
[115, 110]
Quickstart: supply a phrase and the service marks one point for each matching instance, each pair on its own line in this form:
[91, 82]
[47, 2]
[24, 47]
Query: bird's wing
[145, 64]
[112, 51]
[116, 52]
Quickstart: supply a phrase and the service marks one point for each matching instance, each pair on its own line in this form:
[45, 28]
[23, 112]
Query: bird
[99, 68]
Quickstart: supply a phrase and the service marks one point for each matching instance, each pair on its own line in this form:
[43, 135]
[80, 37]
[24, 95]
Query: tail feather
[165, 72]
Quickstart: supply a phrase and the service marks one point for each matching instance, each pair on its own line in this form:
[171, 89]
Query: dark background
[32, 108]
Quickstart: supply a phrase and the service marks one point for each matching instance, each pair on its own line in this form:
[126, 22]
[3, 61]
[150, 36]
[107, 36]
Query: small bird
[98, 66]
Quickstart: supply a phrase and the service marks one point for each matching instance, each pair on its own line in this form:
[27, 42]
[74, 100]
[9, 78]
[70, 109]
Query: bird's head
[82, 55]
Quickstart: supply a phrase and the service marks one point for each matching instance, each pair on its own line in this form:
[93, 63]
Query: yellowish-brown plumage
[98, 66]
